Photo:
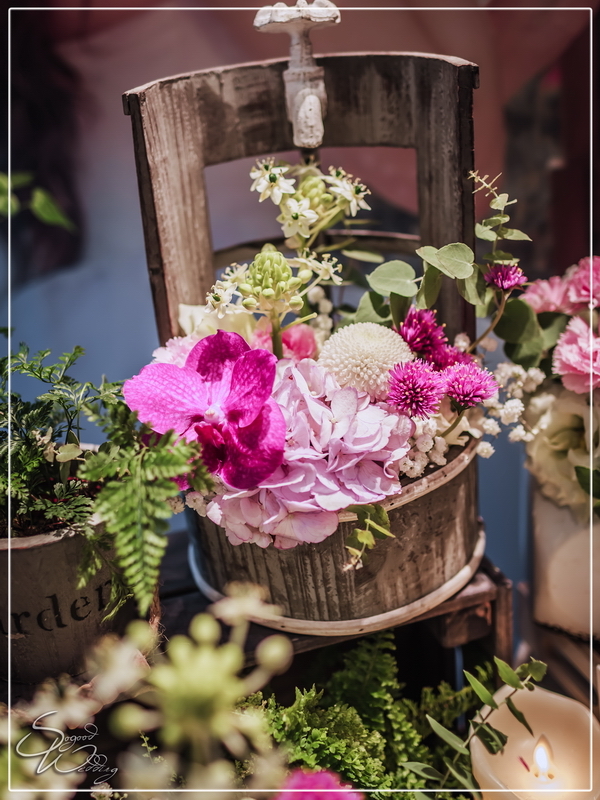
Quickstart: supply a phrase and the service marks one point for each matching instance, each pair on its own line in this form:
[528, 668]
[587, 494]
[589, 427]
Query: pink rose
[298, 342]
[577, 357]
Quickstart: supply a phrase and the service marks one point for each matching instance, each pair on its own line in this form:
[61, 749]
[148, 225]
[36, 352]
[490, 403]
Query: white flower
[176, 503]
[430, 427]
[490, 426]
[413, 464]
[327, 270]
[511, 411]
[296, 217]
[519, 434]
[361, 355]
[220, 297]
[269, 181]
[489, 343]
[325, 306]
[353, 192]
[424, 443]
[533, 379]
[485, 449]
[197, 502]
[461, 342]
[436, 454]
[315, 295]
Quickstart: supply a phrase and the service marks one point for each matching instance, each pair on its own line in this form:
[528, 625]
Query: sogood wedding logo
[59, 752]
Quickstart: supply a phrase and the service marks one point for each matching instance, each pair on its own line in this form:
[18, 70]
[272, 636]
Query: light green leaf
[424, 770]
[482, 693]
[364, 537]
[393, 276]
[20, 179]
[513, 233]
[364, 255]
[497, 219]
[430, 287]
[454, 260]
[44, 207]
[507, 674]
[449, 737]
[553, 324]
[492, 739]
[499, 203]
[518, 323]
[481, 232]
[500, 257]
[473, 289]
[518, 714]
[369, 308]
[527, 354]
[67, 452]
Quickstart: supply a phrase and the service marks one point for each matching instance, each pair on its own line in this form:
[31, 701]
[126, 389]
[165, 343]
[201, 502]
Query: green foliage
[396, 277]
[372, 308]
[41, 203]
[589, 480]
[454, 260]
[373, 524]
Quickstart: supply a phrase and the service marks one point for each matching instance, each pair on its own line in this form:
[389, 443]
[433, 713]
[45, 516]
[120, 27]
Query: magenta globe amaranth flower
[422, 333]
[505, 276]
[468, 384]
[320, 785]
[221, 397]
[416, 389]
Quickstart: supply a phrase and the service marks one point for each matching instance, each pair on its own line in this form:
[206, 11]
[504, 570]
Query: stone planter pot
[561, 552]
[50, 624]
[437, 546]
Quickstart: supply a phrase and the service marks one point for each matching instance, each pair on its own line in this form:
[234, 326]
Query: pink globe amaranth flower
[422, 333]
[583, 283]
[321, 785]
[468, 384]
[577, 357]
[221, 397]
[448, 355]
[341, 450]
[298, 341]
[550, 295]
[416, 389]
[505, 276]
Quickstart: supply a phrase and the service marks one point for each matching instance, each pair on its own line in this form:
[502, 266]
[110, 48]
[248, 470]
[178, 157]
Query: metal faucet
[306, 100]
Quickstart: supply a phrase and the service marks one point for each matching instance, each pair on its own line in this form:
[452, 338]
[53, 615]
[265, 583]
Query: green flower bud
[249, 303]
[326, 199]
[268, 293]
[268, 269]
[274, 653]
[305, 275]
[205, 629]
[245, 289]
[293, 283]
[268, 248]
[296, 303]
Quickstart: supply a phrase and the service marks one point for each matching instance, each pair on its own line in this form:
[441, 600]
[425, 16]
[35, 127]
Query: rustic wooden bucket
[437, 546]
[51, 624]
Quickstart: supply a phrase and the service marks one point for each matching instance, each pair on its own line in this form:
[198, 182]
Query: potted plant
[559, 422]
[83, 529]
[320, 438]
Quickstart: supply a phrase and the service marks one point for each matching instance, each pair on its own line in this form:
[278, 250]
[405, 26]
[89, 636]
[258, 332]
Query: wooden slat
[186, 122]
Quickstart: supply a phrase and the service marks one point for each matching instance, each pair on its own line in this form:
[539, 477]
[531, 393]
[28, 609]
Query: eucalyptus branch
[493, 323]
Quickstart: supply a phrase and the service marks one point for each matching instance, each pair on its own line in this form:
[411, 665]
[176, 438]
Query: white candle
[550, 765]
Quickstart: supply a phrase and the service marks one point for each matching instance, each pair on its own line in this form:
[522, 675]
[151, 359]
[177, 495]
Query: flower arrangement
[305, 407]
[557, 417]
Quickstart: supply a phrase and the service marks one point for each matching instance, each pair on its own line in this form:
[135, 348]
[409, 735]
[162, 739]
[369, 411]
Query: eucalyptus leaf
[424, 770]
[497, 219]
[487, 234]
[492, 739]
[489, 305]
[462, 776]
[369, 308]
[527, 354]
[513, 233]
[364, 537]
[67, 452]
[500, 202]
[482, 693]
[393, 276]
[399, 307]
[454, 260]
[473, 289]
[518, 323]
[44, 207]
[553, 325]
[430, 287]
[518, 714]
[450, 738]
[500, 257]
[588, 480]
[507, 674]
[364, 255]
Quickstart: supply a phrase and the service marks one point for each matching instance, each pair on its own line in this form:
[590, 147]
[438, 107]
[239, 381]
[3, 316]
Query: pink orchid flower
[221, 397]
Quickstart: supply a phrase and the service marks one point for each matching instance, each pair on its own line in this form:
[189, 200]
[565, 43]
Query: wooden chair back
[185, 123]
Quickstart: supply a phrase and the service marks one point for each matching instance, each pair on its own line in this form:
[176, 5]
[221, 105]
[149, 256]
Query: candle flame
[542, 756]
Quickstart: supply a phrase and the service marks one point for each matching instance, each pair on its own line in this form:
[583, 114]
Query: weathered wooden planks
[184, 123]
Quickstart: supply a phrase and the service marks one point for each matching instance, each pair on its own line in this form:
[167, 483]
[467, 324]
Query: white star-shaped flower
[296, 217]
[269, 180]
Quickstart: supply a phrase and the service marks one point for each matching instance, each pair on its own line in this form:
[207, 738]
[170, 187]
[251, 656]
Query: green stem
[276, 338]
[298, 321]
[493, 323]
[325, 222]
[451, 427]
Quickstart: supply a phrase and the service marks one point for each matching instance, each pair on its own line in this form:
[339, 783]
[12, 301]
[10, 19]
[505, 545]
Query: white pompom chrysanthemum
[361, 355]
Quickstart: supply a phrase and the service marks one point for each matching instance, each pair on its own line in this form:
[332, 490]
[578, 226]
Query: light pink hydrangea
[340, 450]
[176, 350]
[583, 283]
[577, 357]
[550, 295]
